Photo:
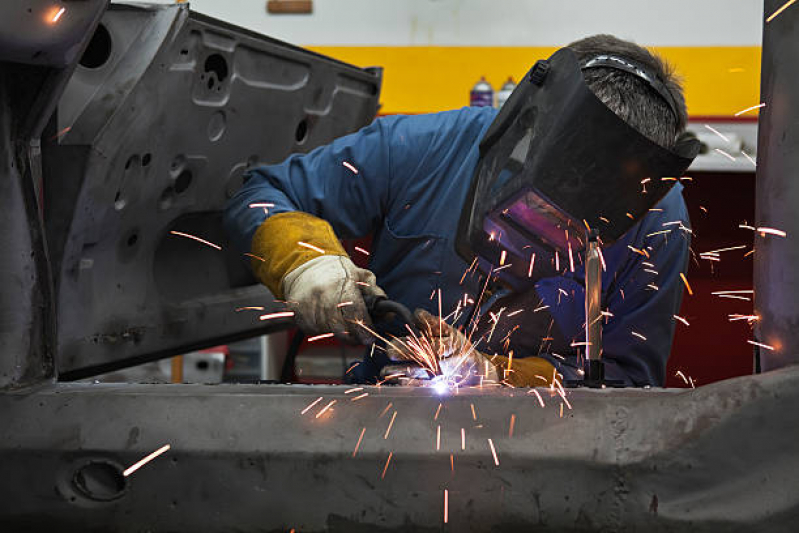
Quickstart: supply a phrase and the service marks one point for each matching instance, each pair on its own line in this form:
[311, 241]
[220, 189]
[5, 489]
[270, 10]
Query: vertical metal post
[594, 370]
[273, 352]
[776, 258]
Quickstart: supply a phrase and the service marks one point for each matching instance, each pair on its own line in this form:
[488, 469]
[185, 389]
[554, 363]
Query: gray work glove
[326, 295]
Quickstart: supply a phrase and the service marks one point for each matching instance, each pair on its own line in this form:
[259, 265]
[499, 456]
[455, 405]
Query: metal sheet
[776, 276]
[164, 113]
[244, 458]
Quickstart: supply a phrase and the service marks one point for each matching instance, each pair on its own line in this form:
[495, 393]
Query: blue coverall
[413, 176]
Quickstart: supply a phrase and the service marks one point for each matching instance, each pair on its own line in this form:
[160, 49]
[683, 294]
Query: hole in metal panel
[183, 181]
[302, 131]
[99, 50]
[100, 481]
[216, 63]
[145, 160]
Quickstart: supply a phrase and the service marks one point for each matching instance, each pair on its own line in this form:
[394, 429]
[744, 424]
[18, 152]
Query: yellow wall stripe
[719, 81]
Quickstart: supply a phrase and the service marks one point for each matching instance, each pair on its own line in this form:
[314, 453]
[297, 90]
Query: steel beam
[246, 458]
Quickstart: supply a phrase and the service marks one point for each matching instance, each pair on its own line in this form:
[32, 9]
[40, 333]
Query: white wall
[501, 22]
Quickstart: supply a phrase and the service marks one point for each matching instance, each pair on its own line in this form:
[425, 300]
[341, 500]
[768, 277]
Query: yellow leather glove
[300, 259]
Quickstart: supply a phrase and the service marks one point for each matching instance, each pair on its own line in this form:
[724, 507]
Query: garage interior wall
[433, 51]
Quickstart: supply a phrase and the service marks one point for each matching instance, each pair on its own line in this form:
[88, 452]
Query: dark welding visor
[556, 161]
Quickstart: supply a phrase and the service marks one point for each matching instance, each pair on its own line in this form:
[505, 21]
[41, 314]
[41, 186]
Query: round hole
[100, 481]
[216, 63]
[133, 239]
[99, 50]
[183, 181]
[146, 158]
[202, 365]
[302, 131]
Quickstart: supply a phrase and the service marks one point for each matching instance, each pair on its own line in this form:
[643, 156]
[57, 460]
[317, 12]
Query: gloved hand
[300, 259]
[442, 349]
[457, 356]
[326, 295]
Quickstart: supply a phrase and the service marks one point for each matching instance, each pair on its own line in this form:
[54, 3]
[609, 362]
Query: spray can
[482, 94]
[504, 93]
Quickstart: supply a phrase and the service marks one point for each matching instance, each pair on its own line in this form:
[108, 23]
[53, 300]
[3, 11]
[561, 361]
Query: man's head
[630, 97]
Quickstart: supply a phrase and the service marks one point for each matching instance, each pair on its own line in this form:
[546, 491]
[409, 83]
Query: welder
[601, 114]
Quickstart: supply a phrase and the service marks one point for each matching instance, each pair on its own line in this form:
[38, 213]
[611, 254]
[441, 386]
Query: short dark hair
[630, 97]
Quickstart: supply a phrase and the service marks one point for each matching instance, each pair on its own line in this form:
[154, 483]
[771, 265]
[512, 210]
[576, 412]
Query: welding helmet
[555, 162]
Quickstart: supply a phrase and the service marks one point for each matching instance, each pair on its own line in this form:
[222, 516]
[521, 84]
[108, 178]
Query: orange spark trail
[537, 395]
[383, 475]
[249, 308]
[725, 154]
[282, 314]
[493, 452]
[771, 231]
[687, 380]
[474, 413]
[388, 430]
[681, 319]
[255, 257]
[638, 335]
[742, 111]
[325, 408]
[530, 269]
[355, 389]
[685, 281]
[766, 346]
[359, 249]
[785, 6]
[364, 395]
[452, 462]
[385, 410]
[208, 243]
[322, 336]
[263, 205]
[310, 406]
[463, 439]
[350, 166]
[512, 423]
[437, 412]
[57, 16]
[311, 246]
[128, 471]
[358, 444]
[438, 438]
[446, 506]
[717, 132]
[749, 158]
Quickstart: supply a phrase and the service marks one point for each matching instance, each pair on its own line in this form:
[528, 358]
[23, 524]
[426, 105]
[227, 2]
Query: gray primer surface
[719, 458]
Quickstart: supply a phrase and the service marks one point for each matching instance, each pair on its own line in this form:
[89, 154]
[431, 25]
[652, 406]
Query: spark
[474, 413]
[735, 297]
[502, 257]
[602, 259]
[358, 444]
[740, 291]
[310, 406]
[561, 410]
[385, 410]
[785, 6]
[537, 395]
[653, 286]
[752, 108]
[322, 336]
[208, 243]
[751, 160]
[687, 286]
[281, 314]
[359, 249]
[512, 423]
[463, 439]
[438, 437]
[530, 269]
[264, 205]
[640, 252]
[325, 408]
[437, 412]
[364, 395]
[557, 261]
[728, 249]
[571, 258]
[354, 389]
[605, 220]
[760, 344]
[349, 166]
[60, 133]
[771, 231]
[638, 335]
[746, 226]
[385, 468]
[452, 462]
[250, 308]
[259, 258]
[725, 154]
[540, 308]
[681, 319]
[750, 318]
[661, 232]
[446, 505]
[515, 313]
[388, 430]
[717, 132]
[311, 246]
[345, 304]
[57, 15]
[687, 380]
[128, 471]
[493, 452]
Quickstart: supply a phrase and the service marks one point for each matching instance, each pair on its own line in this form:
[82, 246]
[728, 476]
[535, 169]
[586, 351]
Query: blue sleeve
[352, 182]
[643, 297]
[321, 184]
